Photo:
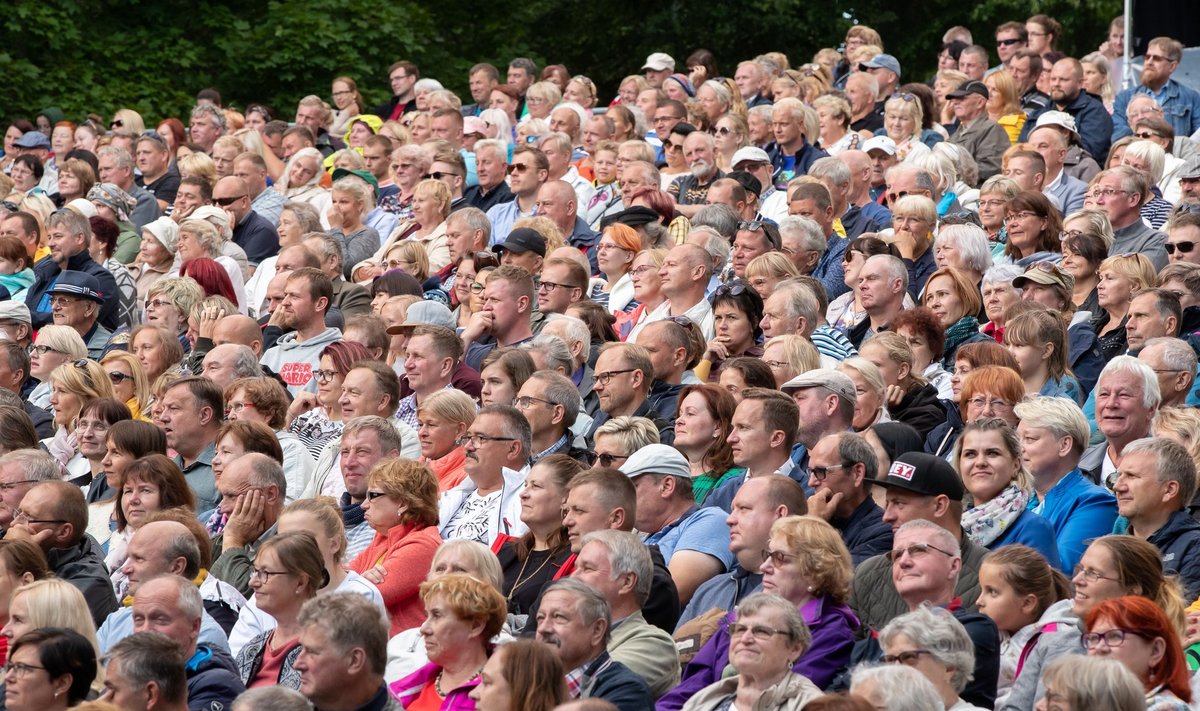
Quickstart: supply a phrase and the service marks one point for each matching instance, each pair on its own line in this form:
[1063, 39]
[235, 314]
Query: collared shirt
[269, 204]
[575, 681]
[549, 450]
[199, 476]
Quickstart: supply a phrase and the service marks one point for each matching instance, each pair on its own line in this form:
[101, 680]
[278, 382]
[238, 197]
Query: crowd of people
[775, 389]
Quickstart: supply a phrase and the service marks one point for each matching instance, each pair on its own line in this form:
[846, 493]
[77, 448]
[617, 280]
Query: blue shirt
[700, 529]
[829, 270]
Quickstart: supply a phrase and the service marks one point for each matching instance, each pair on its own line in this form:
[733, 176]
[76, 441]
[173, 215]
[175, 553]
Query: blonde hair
[56, 603]
[63, 339]
[838, 105]
[545, 227]
[897, 350]
[141, 385]
[867, 371]
[328, 516]
[1182, 425]
[412, 251]
[83, 378]
[206, 235]
[772, 264]
[451, 405]
[199, 165]
[1135, 267]
[801, 354]
[1006, 86]
[821, 554]
[437, 190]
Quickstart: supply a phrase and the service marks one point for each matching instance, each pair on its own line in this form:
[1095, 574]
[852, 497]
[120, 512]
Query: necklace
[521, 581]
[437, 682]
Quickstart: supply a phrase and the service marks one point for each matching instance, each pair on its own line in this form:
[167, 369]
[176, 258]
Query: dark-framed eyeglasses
[117, 377]
[478, 440]
[1110, 638]
[606, 460]
[759, 632]
[325, 376]
[606, 377]
[908, 659]
[265, 575]
[549, 286]
[822, 473]
[372, 495]
[1007, 42]
[525, 402]
[736, 288]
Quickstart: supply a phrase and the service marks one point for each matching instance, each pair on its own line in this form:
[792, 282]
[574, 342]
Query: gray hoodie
[1065, 638]
[295, 361]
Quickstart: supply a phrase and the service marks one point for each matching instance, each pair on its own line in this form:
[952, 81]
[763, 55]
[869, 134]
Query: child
[608, 192]
[1038, 340]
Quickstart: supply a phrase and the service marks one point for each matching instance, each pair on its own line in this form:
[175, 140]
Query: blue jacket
[1179, 542]
[1180, 105]
[614, 682]
[829, 270]
[212, 680]
[45, 274]
[805, 157]
[1096, 130]
[865, 532]
[1079, 511]
[1035, 532]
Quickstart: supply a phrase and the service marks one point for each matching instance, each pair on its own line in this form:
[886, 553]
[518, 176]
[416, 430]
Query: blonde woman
[902, 117]
[945, 82]
[870, 407]
[1181, 424]
[729, 134]
[54, 346]
[540, 99]
[765, 271]
[834, 113]
[301, 180]
[72, 386]
[430, 208]
[51, 603]
[129, 382]
[200, 239]
[1120, 276]
[198, 165]
[1004, 103]
[789, 356]
[351, 200]
[1097, 78]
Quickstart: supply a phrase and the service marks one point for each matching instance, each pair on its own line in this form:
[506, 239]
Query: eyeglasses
[517, 168]
[1108, 192]
[158, 303]
[41, 350]
[762, 634]
[980, 403]
[638, 271]
[118, 377]
[390, 264]
[20, 669]
[908, 659]
[917, 550]
[20, 515]
[10, 485]
[673, 147]
[372, 495]
[477, 288]
[607, 376]
[526, 401]
[116, 123]
[325, 376]
[893, 197]
[439, 175]
[1014, 216]
[1147, 134]
[1111, 638]
[238, 407]
[1183, 247]
[227, 201]
[1090, 574]
[549, 286]
[1048, 267]
[822, 473]
[777, 557]
[904, 96]
[1007, 42]
[265, 575]
[721, 131]
[605, 246]
[63, 300]
[478, 440]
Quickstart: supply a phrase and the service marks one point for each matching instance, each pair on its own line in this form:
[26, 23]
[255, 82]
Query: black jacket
[612, 681]
[82, 565]
[865, 532]
[212, 680]
[1179, 542]
[920, 409]
[257, 236]
[475, 196]
[46, 272]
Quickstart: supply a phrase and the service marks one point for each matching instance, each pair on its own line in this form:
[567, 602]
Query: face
[493, 692]
[1157, 68]
[1145, 322]
[698, 153]
[699, 428]
[64, 245]
[921, 574]
[770, 656]
[70, 311]
[868, 403]
[1023, 172]
[859, 94]
[750, 438]
[1139, 491]
[1182, 243]
[115, 462]
[90, 432]
[986, 465]
[65, 405]
[361, 395]
[644, 273]
[622, 388]
[998, 296]
[542, 500]
[156, 609]
[900, 125]
[984, 404]
[942, 298]
[497, 388]
[150, 354]
[733, 327]
[1119, 407]
[582, 514]
[561, 626]
[33, 689]
[1097, 579]
[444, 632]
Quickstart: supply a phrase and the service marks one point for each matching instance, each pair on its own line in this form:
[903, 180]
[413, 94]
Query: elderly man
[575, 620]
[491, 164]
[190, 416]
[694, 541]
[252, 491]
[862, 91]
[365, 441]
[617, 565]
[307, 296]
[506, 317]
[116, 167]
[1067, 190]
[528, 172]
[624, 373]
[20, 470]
[691, 190]
[919, 486]
[229, 362]
[145, 672]
[794, 308]
[251, 231]
[487, 502]
[762, 437]
[754, 239]
[1180, 103]
[551, 404]
[812, 201]
[1174, 362]
[205, 125]
[752, 83]
[53, 515]
[1152, 313]
[75, 302]
[886, 70]
[1127, 397]
[841, 468]
[343, 653]
[69, 235]
[14, 377]
[1120, 192]
[685, 273]
[558, 201]
[974, 131]
[171, 605]
[882, 286]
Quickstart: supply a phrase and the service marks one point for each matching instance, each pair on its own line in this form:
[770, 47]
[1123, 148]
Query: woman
[737, 310]
[350, 202]
[49, 669]
[845, 312]
[16, 267]
[943, 651]
[50, 603]
[1078, 683]
[16, 129]
[54, 346]
[1120, 276]
[464, 615]
[729, 134]
[765, 271]
[1135, 632]
[647, 290]
[504, 372]
[102, 248]
[296, 219]
[156, 257]
[1038, 341]
[715, 100]
[347, 102]
[238, 438]
[18, 430]
[91, 428]
[988, 459]
[619, 245]
[986, 391]
[506, 99]
[540, 99]
[902, 117]
[910, 399]
[75, 179]
[702, 427]
[156, 349]
[738, 374]
[129, 383]
[442, 419]
[869, 406]
[316, 419]
[150, 484]
[523, 675]
[198, 239]
[946, 81]
[1086, 238]
[1097, 79]
[834, 114]
[965, 248]
[913, 220]
[469, 282]
[72, 387]
[126, 442]
[807, 564]
[430, 208]
[26, 174]
[402, 508]
[676, 164]
[582, 91]
[408, 257]
[301, 180]
[1004, 103]
[954, 300]
[538, 557]
[999, 294]
[925, 338]
[264, 400]
[1033, 225]
[766, 638]
[21, 563]
[994, 195]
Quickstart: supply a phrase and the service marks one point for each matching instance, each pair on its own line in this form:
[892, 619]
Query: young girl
[1038, 340]
[1018, 589]
[608, 192]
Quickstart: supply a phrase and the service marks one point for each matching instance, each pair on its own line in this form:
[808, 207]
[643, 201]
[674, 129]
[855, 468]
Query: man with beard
[1181, 105]
[691, 190]
[296, 355]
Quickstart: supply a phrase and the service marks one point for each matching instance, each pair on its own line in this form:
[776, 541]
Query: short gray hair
[576, 332]
[215, 115]
[895, 268]
[627, 554]
[590, 604]
[715, 244]
[190, 603]
[792, 620]
[264, 472]
[800, 300]
[1059, 416]
[808, 231]
[389, 438]
[118, 154]
[972, 244]
[473, 219]
[1177, 355]
[34, 463]
[1171, 461]
[721, 217]
[855, 449]
[923, 179]
[245, 362]
[945, 638]
[832, 168]
[560, 390]
[1151, 395]
[1002, 274]
[349, 621]
[330, 246]
[555, 351]
[271, 698]
[945, 539]
[907, 689]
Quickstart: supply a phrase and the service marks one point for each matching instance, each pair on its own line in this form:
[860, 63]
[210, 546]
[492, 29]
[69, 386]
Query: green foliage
[100, 55]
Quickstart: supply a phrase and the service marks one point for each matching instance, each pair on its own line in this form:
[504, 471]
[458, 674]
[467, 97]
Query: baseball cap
[522, 239]
[1046, 273]
[1062, 119]
[924, 474]
[656, 459]
[834, 381]
[879, 143]
[752, 154]
[15, 311]
[746, 180]
[883, 61]
[32, 139]
[659, 61]
[81, 284]
[424, 313]
[972, 87]
[474, 124]
[366, 175]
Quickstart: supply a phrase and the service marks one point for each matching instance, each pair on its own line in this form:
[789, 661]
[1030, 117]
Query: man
[481, 79]
[205, 125]
[1120, 192]
[53, 516]
[1067, 190]
[557, 201]
[343, 653]
[194, 191]
[574, 619]
[862, 91]
[672, 352]
[69, 235]
[1189, 181]
[551, 404]
[349, 298]
[658, 67]
[75, 302]
[251, 169]
[1153, 313]
[251, 231]
[919, 486]
[558, 148]
[886, 70]
[814, 202]
[1180, 103]
[1174, 362]
[528, 172]
[365, 441]
[432, 354]
[882, 286]
[685, 273]
[752, 83]
[756, 162]
[522, 73]
[1027, 169]
[846, 178]
[1155, 483]
[314, 114]
[825, 399]
[793, 309]
[881, 151]
[763, 433]
[1011, 37]
[467, 231]
[564, 282]
[974, 131]
[402, 77]
[145, 672]
[157, 173]
[1183, 233]
[505, 319]
[26, 228]
[1025, 66]
[491, 166]
[116, 167]
[167, 548]
[20, 470]
[791, 122]
[691, 190]
[753, 240]
[487, 502]
[252, 495]
[623, 375]
[171, 605]
[973, 61]
[190, 416]
[618, 566]
[377, 154]
[1127, 398]
[296, 355]
[294, 139]
[694, 541]
[841, 467]
[1093, 122]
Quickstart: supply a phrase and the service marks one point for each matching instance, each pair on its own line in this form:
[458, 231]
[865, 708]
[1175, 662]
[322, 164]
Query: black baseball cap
[924, 474]
[522, 239]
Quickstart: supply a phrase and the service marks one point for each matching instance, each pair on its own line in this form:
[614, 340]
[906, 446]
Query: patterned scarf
[960, 331]
[986, 522]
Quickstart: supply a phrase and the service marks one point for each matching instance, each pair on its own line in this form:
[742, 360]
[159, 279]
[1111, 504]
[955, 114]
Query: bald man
[240, 330]
[557, 200]
[251, 231]
[684, 275]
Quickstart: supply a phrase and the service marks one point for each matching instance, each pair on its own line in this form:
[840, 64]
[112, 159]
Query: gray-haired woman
[934, 643]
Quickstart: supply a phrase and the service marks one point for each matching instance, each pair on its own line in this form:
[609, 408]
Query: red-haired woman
[211, 277]
[702, 427]
[1136, 632]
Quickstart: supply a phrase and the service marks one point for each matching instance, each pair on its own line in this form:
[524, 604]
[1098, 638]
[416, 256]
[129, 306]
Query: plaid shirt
[575, 681]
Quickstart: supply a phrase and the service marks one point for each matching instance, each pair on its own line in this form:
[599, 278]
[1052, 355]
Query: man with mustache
[691, 190]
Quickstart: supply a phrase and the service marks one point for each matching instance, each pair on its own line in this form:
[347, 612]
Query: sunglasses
[1183, 247]
[117, 123]
[1007, 42]
[517, 168]
[721, 131]
[227, 201]
[117, 378]
[734, 289]
[439, 175]
[1146, 134]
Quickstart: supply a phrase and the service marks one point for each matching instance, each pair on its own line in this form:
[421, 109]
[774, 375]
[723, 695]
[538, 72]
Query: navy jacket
[46, 272]
[257, 236]
[82, 565]
[805, 157]
[212, 680]
[1179, 542]
[865, 532]
[612, 681]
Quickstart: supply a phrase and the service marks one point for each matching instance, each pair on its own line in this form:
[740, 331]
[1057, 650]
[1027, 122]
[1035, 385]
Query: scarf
[352, 514]
[960, 331]
[984, 523]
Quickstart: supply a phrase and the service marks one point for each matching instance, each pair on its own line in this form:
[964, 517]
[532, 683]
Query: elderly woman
[1149, 159]
[169, 302]
[442, 419]
[464, 614]
[1004, 103]
[265, 400]
[926, 338]
[296, 219]
[619, 245]
[1079, 683]
[431, 207]
[503, 373]
[955, 301]
[998, 294]
[765, 271]
[469, 282]
[893, 687]
[715, 100]
[910, 399]
[49, 669]
[1137, 633]
[702, 427]
[523, 675]
[402, 508]
[26, 175]
[150, 484]
[807, 564]
[994, 196]
[301, 180]
[1038, 341]
[737, 311]
[1086, 238]
[936, 644]
[540, 99]
[199, 239]
[988, 460]
[988, 391]
[647, 289]
[113, 203]
[834, 115]
[965, 248]
[156, 255]
[870, 405]
[1120, 276]
[53, 346]
[913, 219]
[902, 117]
[1034, 229]
[767, 636]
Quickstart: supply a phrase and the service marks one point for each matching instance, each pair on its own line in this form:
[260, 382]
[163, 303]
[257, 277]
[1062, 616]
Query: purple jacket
[832, 626]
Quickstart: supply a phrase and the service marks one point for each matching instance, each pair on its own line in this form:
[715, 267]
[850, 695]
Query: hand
[366, 272]
[906, 242]
[180, 215]
[208, 321]
[696, 75]
[718, 349]
[23, 533]
[334, 218]
[824, 503]
[376, 574]
[304, 402]
[479, 325]
[276, 317]
[1193, 629]
[894, 395]
[247, 522]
